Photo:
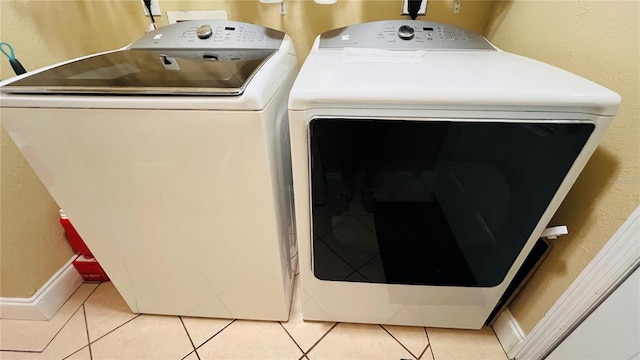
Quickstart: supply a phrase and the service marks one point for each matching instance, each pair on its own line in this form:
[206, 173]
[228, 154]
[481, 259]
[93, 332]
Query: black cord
[147, 3]
[413, 6]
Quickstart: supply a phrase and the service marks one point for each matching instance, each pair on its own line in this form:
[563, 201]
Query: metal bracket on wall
[555, 231]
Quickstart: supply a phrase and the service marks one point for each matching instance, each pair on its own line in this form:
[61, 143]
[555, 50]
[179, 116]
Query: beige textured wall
[306, 19]
[33, 246]
[47, 32]
[599, 40]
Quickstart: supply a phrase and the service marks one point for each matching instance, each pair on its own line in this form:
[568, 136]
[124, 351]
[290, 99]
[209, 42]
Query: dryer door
[432, 202]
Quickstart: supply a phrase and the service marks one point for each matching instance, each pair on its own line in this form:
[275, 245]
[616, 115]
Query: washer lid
[149, 72]
[193, 58]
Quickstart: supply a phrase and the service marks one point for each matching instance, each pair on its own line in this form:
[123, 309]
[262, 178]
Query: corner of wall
[607, 190]
[33, 245]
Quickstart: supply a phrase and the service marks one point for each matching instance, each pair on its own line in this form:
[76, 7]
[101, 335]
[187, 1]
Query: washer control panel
[404, 35]
[210, 34]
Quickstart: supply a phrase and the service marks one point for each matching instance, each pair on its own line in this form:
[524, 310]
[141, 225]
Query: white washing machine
[426, 164]
[171, 158]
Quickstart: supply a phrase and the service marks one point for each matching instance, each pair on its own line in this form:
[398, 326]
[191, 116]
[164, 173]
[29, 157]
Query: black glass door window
[432, 202]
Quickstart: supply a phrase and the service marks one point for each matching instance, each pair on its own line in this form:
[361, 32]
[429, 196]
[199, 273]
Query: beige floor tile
[83, 354]
[412, 337]
[465, 344]
[251, 340]
[29, 335]
[358, 341]
[106, 310]
[70, 339]
[202, 329]
[145, 337]
[305, 333]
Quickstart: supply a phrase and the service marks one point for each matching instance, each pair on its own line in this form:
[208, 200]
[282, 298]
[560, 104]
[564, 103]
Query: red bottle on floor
[86, 264]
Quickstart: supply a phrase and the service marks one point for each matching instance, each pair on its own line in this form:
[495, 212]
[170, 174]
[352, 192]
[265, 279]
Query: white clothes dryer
[426, 164]
[171, 157]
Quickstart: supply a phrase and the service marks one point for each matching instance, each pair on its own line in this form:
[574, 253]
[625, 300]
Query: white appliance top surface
[173, 67]
[429, 75]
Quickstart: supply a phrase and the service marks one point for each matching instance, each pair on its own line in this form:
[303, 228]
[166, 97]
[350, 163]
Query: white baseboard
[47, 300]
[618, 258]
[508, 332]
[613, 263]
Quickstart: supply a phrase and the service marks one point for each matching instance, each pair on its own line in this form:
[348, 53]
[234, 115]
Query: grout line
[429, 345]
[321, 338]
[90, 294]
[86, 327]
[189, 336]
[118, 327]
[398, 341]
[193, 352]
[75, 352]
[294, 340]
[214, 335]
[426, 347]
[425, 351]
[62, 327]
[86, 330]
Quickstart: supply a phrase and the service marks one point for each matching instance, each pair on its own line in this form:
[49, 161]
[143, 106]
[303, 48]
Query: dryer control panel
[404, 35]
[210, 34]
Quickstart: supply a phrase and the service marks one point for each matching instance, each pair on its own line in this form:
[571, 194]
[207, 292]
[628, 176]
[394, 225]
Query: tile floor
[95, 323]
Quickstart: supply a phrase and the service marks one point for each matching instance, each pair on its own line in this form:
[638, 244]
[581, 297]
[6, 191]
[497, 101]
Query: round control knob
[204, 32]
[406, 32]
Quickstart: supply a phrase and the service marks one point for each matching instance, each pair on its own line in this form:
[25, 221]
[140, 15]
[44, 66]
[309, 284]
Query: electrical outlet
[155, 8]
[456, 7]
[405, 7]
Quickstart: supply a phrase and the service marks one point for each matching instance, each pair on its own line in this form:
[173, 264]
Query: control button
[406, 32]
[204, 32]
